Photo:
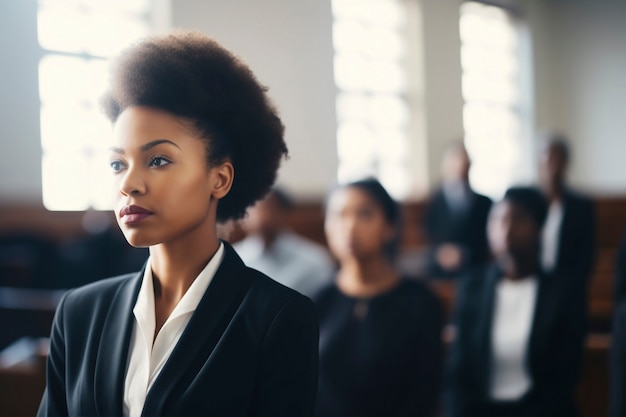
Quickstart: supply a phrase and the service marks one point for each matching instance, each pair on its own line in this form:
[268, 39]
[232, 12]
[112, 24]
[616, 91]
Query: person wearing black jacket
[195, 332]
[619, 274]
[519, 332]
[455, 220]
[569, 234]
[617, 369]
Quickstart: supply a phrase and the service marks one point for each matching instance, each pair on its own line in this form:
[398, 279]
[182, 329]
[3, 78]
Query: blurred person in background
[519, 333]
[272, 248]
[568, 237]
[455, 219]
[380, 334]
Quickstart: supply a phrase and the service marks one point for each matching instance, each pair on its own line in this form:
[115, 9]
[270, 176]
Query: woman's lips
[133, 214]
[134, 218]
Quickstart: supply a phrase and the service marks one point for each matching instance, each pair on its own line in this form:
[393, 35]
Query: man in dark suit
[455, 219]
[568, 241]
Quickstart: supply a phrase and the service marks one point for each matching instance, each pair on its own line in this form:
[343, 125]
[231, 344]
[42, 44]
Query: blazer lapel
[563, 238]
[112, 354]
[207, 325]
[540, 317]
[486, 322]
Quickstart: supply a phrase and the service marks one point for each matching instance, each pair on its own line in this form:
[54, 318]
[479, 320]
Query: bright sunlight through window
[494, 113]
[78, 36]
[372, 109]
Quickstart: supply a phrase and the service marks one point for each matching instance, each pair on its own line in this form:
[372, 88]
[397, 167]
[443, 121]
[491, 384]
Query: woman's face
[355, 226]
[512, 231]
[163, 186]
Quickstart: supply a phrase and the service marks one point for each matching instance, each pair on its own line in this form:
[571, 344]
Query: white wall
[288, 45]
[580, 85]
[20, 148]
[442, 80]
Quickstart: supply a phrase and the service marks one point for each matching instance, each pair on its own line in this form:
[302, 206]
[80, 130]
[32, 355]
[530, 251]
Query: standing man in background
[455, 220]
[270, 246]
[568, 240]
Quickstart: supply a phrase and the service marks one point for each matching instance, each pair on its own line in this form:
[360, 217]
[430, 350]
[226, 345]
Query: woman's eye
[159, 161]
[116, 166]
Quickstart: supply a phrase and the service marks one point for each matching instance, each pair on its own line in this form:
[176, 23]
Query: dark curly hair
[193, 77]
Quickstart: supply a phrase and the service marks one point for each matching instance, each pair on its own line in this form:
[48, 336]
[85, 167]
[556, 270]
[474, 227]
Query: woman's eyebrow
[146, 146]
[154, 143]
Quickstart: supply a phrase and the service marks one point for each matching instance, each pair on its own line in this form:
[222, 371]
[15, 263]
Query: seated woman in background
[196, 332]
[380, 335]
[519, 333]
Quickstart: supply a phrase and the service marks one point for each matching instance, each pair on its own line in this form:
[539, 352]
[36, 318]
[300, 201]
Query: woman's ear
[221, 178]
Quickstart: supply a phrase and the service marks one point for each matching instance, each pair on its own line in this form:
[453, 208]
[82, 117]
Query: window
[495, 112]
[77, 37]
[372, 109]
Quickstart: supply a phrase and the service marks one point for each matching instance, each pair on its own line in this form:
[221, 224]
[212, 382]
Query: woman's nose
[132, 183]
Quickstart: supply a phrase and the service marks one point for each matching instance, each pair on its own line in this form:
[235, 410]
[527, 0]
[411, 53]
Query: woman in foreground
[196, 332]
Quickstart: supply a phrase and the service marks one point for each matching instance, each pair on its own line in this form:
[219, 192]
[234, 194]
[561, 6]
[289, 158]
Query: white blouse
[146, 359]
[550, 236]
[514, 310]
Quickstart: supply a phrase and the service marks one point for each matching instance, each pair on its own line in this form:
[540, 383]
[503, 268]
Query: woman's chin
[138, 240]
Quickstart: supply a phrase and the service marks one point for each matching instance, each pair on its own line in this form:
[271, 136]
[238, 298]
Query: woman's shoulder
[100, 292]
[269, 294]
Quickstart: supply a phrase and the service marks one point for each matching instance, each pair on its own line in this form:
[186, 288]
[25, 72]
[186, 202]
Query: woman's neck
[175, 265]
[367, 278]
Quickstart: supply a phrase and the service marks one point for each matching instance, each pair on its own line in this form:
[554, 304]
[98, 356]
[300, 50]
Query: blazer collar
[215, 311]
[485, 322]
[110, 367]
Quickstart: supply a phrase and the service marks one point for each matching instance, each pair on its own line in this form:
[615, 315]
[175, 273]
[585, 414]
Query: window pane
[372, 111]
[388, 12]
[77, 31]
[388, 111]
[108, 6]
[356, 143]
[75, 135]
[491, 90]
[73, 128]
[70, 81]
[351, 106]
[65, 181]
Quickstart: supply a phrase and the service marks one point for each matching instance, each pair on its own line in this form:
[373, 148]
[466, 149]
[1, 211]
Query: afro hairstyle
[193, 77]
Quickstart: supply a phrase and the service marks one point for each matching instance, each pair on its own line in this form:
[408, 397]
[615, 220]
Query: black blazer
[468, 229]
[577, 237]
[554, 357]
[618, 363]
[250, 348]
